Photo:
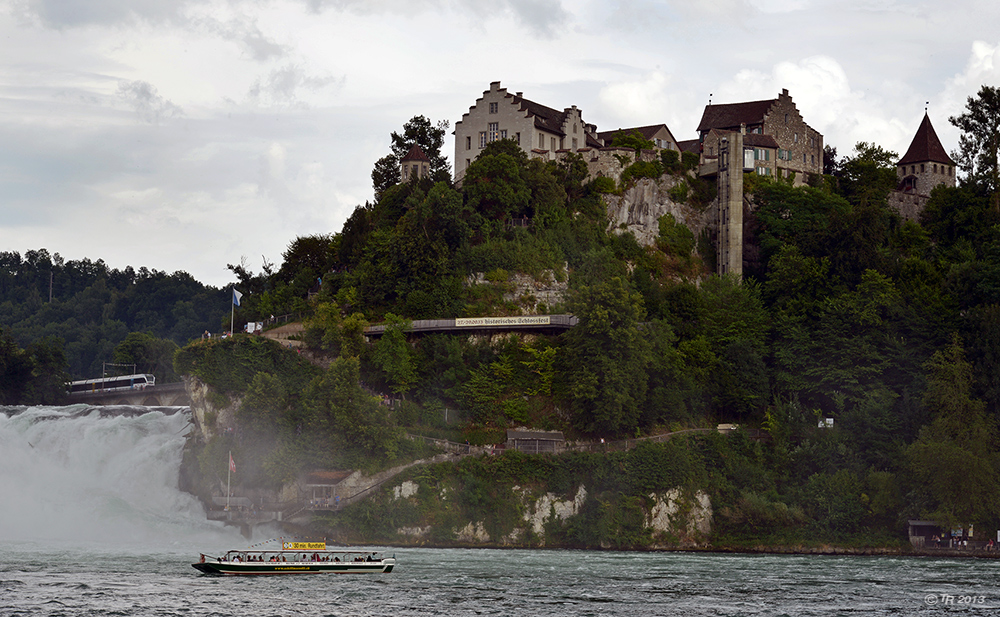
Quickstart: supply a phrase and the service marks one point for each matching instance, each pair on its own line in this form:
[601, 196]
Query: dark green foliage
[955, 460]
[93, 307]
[420, 131]
[641, 169]
[603, 359]
[979, 145]
[869, 175]
[230, 364]
[633, 140]
[149, 355]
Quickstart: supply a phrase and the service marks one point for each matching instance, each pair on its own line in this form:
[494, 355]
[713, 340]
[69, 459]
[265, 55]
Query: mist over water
[106, 476]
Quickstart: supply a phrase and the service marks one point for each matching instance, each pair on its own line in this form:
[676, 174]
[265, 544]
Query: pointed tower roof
[926, 146]
[416, 154]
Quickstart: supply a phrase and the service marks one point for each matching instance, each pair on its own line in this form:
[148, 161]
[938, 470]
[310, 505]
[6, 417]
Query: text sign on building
[524, 320]
[303, 546]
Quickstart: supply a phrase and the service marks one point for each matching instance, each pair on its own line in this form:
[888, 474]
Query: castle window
[494, 108]
[468, 142]
[803, 158]
[812, 158]
[786, 118]
[494, 129]
[482, 139]
[503, 134]
[517, 138]
[935, 167]
[552, 143]
[541, 141]
[795, 137]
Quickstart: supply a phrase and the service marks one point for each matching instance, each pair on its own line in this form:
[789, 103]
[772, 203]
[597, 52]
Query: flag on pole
[232, 463]
[236, 297]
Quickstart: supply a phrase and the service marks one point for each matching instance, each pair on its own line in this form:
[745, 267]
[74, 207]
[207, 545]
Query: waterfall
[98, 474]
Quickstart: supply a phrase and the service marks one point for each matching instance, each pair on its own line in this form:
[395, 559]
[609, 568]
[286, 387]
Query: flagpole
[232, 310]
[229, 473]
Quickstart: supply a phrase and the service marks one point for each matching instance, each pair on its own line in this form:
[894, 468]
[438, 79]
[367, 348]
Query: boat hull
[300, 567]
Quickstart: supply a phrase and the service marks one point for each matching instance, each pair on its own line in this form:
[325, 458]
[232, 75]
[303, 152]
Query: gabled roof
[732, 115]
[690, 145]
[926, 146]
[761, 141]
[545, 117]
[416, 154]
[647, 132]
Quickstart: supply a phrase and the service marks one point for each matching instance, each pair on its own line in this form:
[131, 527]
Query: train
[138, 381]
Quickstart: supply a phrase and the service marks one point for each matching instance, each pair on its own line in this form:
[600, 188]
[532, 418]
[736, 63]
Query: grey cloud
[69, 13]
[541, 16]
[250, 37]
[281, 86]
[146, 101]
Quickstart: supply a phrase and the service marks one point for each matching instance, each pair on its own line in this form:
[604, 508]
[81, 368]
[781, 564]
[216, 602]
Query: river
[92, 524]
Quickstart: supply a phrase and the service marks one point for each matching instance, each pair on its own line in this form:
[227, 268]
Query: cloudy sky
[190, 134]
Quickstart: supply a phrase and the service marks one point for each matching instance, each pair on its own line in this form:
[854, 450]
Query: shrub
[603, 184]
[679, 192]
[690, 160]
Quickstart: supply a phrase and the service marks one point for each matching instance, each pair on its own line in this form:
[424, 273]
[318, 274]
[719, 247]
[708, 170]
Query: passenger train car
[110, 384]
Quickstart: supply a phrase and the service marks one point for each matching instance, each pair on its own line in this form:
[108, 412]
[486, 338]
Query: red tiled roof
[732, 115]
[926, 146]
[416, 154]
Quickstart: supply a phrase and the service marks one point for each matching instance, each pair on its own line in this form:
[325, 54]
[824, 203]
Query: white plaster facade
[539, 130]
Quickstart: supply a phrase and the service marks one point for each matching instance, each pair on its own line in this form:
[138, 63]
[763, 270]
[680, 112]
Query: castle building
[924, 166]
[659, 134]
[414, 165]
[776, 137]
[542, 132]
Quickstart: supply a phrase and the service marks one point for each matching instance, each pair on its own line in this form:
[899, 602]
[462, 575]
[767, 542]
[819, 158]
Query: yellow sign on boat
[303, 546]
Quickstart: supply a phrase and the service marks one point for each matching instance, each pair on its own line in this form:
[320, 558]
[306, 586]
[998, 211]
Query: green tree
[604, 359]
[955, 459]
[149, 354]
[417, 131]
[393, 355]
[869, 174]
[350, 427]
[979, 145]
[633, 140]
[15, 370]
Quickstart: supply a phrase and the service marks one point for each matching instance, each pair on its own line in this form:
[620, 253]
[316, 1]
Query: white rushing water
[78, 474]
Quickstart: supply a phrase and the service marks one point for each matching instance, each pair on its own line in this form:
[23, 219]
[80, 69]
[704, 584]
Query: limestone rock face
[209, 419]
[531, 292]
[677, 518]
[473, 533]
[548, 508]
[639, 209]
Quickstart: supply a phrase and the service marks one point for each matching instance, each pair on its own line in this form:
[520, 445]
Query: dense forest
[889, 327]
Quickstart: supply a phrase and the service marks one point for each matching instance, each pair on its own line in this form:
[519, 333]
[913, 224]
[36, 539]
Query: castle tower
[414, 165]
[925, 165]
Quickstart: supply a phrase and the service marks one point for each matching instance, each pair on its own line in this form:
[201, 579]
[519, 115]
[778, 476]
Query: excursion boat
[295, 558]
